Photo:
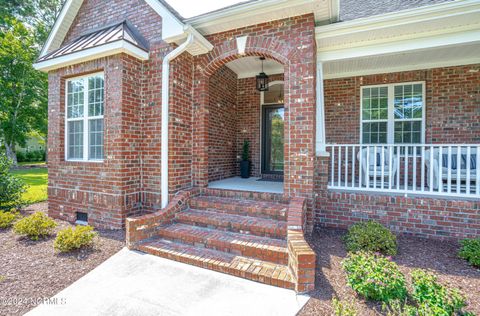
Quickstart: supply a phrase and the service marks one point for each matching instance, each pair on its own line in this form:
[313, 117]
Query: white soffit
[450, 17]
[454, 55]
[251, 66]
[252, 13]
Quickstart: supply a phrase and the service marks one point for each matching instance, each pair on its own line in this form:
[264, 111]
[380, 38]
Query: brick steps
[236, 223]
[248, 268]
[262, 248]
[255, 208]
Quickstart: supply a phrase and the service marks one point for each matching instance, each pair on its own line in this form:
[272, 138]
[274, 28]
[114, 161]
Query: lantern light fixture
[262, 79]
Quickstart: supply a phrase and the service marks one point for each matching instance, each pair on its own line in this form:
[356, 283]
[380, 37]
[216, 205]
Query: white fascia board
[400, 68]
[70, 8]
[244, 11]
[91, 54]
[401, 46]
[398, 18]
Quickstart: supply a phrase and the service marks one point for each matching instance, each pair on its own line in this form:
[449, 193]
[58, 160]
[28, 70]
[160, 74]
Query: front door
[272, 139]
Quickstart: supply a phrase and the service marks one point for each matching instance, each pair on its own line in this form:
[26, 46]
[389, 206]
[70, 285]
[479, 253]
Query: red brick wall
[107, 191]
[222, 108]
[452, 104]
[249, 117]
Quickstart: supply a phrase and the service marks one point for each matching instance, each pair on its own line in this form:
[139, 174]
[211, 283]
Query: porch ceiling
[440, 35]
[404, 61]
[250, 66]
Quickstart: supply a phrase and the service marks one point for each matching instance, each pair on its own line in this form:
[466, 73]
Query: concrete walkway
[132, 283]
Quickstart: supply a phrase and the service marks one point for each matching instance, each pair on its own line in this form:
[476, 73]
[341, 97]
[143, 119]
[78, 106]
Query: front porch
[253, 184]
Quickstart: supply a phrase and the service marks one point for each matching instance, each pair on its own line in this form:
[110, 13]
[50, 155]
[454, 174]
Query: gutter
[165, 112]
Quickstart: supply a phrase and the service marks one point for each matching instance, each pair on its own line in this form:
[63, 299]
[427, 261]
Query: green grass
[35, 163]
[36, 179]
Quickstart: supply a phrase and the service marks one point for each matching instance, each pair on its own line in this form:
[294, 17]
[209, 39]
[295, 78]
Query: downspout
[165, 113]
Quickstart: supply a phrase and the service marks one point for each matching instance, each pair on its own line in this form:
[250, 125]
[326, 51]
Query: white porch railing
[437, 169]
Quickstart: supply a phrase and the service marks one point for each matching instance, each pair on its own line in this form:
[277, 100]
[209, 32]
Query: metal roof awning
[116, 38]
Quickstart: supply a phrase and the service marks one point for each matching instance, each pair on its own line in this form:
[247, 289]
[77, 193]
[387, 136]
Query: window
[393, 114]
[84, 119]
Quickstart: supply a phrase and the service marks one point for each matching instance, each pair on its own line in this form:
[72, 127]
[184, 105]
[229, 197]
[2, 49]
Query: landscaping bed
[437, 256]
[33, 269]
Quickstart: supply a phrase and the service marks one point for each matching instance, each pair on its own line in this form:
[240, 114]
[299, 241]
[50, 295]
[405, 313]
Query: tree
[23, 90]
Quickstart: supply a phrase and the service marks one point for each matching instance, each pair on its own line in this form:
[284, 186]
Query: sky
[190, 8]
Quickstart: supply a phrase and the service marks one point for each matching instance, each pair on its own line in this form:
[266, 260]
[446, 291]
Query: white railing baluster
[414, 181]
[390, 166]
[398, 168]
[375, 162]
[382, 161]
[440, 168]
[405, 171]
[346, 166]
[467, 163]
[449, 170]
[354, 149]
[459, 161]
[339, 166]
[423, 169]
[441, 165]
[477, 181]
[332, 162]
[431, 169]
[367, 171]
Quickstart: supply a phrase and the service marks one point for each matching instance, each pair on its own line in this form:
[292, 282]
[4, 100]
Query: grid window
[95, 134]
[84, 119]
[393, 114]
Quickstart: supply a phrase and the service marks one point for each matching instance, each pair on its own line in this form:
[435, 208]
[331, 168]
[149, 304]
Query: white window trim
[391, 107]
[85, 118]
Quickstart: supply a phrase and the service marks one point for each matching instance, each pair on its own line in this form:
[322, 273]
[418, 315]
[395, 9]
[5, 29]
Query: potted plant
[245, 163]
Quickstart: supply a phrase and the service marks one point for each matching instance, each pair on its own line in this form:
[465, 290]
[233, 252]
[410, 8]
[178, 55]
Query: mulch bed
[438, 256]
[33, 270]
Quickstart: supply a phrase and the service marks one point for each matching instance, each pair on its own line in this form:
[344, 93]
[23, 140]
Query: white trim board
[401, 68]
[109, 49]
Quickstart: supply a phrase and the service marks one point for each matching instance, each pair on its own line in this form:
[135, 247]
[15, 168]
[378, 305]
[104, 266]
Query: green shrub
[374, 276]
[470, 251]
[399, 308]
[371, 236]
[7, 219]
[21, 156]
[341, 308]
[430, 294]
[70, 238]
[11, 187]
[35, 226]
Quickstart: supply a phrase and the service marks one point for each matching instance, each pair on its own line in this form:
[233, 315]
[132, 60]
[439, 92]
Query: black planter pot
[245, 169]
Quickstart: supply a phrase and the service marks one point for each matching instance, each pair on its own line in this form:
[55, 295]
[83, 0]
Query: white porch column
[320, 141]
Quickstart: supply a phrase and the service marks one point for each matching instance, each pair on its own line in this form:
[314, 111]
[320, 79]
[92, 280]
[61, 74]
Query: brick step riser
[219, 268]
[234, 209]
[277, 233]
[279, 257]
[245, 195]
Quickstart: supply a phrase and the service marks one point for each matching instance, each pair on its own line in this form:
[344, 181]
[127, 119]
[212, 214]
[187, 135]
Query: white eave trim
[224, 17]
[388, 20]
[401, 46]
[70, 7]
[109, 49]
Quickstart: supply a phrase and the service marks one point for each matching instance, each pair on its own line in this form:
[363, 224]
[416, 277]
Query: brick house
[371, 111]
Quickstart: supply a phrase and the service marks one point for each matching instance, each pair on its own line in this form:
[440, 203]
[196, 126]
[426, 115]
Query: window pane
[75, 95]
[375, 103]
[408, 132]
[95, 96]
[95, 137]
[75, 140]
[374, 133]
[408, 101]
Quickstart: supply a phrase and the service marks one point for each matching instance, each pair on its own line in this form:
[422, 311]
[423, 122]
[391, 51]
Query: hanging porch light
[262, 79]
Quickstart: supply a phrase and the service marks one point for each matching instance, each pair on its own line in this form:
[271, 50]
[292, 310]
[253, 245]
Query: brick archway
[299, 108]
